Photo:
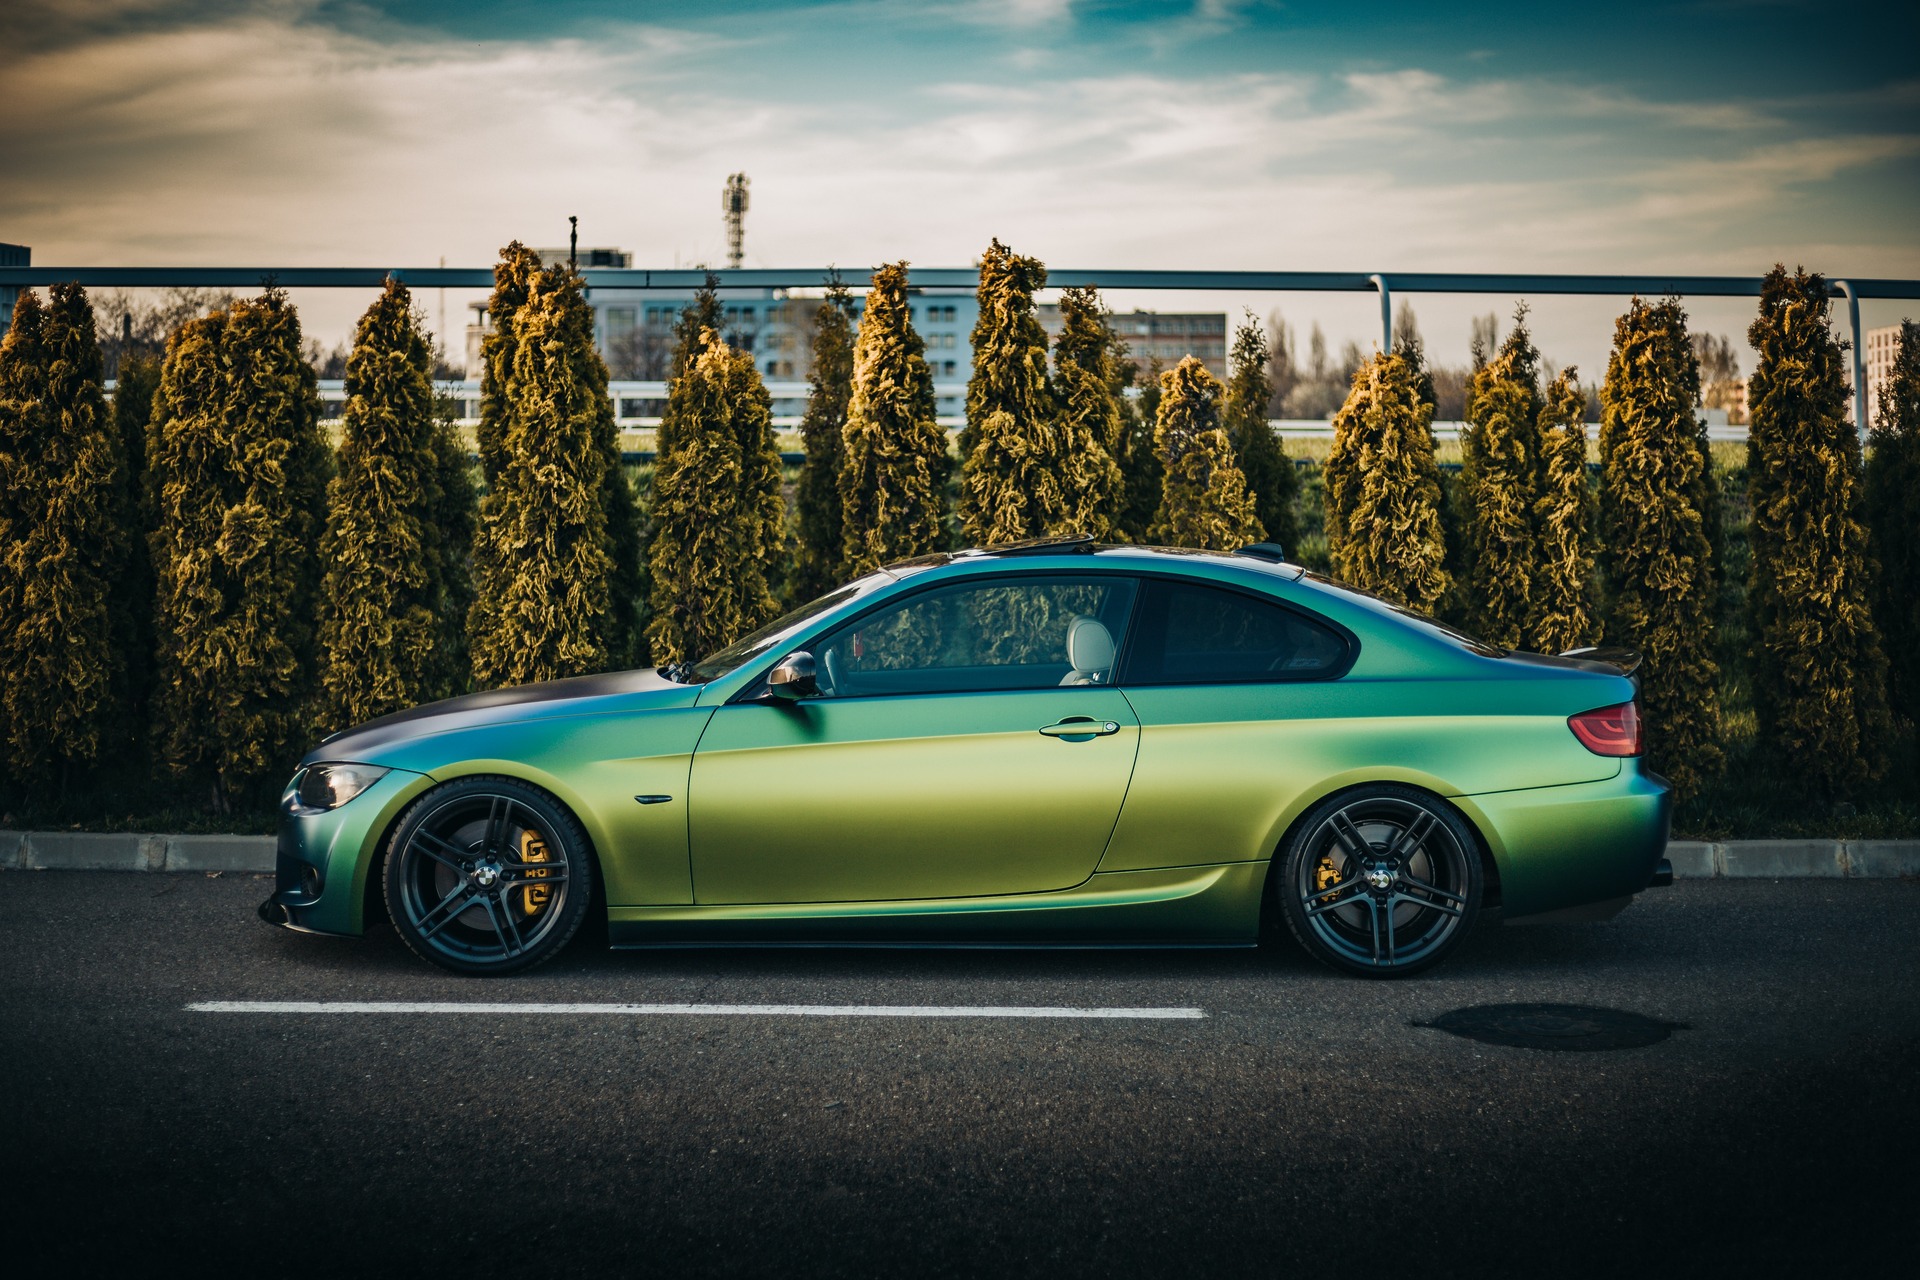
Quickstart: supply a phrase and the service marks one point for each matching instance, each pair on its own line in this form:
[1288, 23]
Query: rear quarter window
[1188, 633]
[1420, 621]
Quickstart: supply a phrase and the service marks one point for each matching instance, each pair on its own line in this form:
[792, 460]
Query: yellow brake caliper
[1325, 876]
[534, 896]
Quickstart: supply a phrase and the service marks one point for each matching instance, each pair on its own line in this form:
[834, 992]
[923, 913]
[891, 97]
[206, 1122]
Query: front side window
[771, 635]
[981, 636]
[1193, 634]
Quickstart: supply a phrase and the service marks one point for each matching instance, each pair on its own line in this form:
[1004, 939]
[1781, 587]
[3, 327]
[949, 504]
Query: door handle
[1081, 727]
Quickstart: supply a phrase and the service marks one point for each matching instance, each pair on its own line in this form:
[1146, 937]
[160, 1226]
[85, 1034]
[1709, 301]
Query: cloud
[1004, 13]
[272, 139]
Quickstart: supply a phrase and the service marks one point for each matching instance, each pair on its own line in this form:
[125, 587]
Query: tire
[1382, 881]
[487, 876]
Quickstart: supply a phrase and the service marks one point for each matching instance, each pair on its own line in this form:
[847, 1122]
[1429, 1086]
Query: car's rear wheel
[1383, 881]
[487, 876]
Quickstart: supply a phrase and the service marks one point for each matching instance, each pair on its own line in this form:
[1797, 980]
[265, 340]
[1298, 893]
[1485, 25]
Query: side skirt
[1210, 906]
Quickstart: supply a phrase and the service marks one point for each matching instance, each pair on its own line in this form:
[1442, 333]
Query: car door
[955, 750]
[1241, 708]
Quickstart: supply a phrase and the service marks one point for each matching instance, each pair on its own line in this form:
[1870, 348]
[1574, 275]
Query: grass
[134, 802]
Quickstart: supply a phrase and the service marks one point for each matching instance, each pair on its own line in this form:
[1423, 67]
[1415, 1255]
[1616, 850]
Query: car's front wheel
[1383, 881]
[487, 876]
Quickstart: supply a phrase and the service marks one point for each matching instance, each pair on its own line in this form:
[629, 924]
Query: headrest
[1089, 645]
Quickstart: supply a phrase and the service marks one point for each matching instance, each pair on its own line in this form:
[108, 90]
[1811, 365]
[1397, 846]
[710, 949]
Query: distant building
[1729, 398]
[619, 258]
[634, 329]
[1166, 336]
[11, 255]
[1880, 347]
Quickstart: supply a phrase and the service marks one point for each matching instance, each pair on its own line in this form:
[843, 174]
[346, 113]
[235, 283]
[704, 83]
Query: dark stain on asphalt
[1563, 1028]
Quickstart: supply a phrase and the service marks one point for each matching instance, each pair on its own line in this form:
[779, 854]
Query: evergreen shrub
[1658, 554]
[1381, 485]
[238, 476]
[1893, 512]
[893, 476]
[1270, 473]
[1093, 427]
[386, 594]
[1204, 500]
[65, 523]
[822, 520]
[541, 564]
[1503, 481]
[1819, 671]
[718, 518]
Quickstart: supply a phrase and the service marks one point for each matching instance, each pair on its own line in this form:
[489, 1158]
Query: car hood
[624, 691]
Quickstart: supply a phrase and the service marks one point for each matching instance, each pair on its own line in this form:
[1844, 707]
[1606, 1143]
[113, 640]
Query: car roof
[1075, 553]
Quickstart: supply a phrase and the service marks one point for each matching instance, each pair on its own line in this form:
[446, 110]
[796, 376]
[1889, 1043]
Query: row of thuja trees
[204, 586]
[195, 574]
[1527, 552]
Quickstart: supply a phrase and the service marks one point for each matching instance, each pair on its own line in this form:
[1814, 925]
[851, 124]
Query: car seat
[1090, 651]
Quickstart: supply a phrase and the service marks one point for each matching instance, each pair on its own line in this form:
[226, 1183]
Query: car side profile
[1058, 743]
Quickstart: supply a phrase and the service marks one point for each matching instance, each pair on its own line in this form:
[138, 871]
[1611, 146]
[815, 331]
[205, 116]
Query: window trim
[1123, 662]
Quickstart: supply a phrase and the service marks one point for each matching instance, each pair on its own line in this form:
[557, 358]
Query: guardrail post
[1386, 313]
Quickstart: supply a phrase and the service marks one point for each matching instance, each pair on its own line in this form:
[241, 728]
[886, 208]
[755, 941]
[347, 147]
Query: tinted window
[1001, 633]
[1425, 623]
[1189, 634]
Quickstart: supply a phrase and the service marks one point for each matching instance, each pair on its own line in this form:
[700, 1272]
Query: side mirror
[793, 678]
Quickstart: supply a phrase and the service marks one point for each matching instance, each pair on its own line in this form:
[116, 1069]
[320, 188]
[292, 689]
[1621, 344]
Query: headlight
[328, 786]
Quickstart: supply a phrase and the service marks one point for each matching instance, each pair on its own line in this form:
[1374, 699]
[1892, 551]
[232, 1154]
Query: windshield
[774, 633]
[1470, 642]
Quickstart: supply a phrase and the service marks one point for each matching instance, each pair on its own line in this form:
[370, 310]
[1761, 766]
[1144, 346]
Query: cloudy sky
[1700, 136]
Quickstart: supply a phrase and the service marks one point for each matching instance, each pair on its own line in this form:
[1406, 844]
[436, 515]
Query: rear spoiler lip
[1625, 661]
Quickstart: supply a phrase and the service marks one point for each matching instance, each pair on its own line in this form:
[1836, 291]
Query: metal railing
[1384, 284]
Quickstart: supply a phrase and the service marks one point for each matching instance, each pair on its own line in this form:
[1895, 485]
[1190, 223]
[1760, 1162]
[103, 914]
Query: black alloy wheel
[487, 876]
[1383, 881]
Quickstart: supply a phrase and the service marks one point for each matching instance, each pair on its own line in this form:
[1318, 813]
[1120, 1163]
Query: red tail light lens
[1610, 731]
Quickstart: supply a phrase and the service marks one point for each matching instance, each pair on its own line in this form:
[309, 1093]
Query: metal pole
[1845, 288]
[1386, 313]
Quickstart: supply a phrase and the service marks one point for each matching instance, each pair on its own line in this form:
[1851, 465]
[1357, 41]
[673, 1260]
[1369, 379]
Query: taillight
[1610, 731]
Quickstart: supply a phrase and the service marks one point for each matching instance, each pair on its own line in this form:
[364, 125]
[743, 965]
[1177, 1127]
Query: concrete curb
[1795, 859]
[131, 851]
[1692, 859]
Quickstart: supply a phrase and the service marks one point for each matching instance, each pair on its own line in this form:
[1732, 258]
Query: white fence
[636, 410]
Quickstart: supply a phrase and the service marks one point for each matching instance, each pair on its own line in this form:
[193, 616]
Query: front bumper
[323, 861]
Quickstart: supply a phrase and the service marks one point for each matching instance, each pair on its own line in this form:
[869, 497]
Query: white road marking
[695, 1010]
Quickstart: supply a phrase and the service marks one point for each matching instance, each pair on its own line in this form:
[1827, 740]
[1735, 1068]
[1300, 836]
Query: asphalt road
[1306, 1121]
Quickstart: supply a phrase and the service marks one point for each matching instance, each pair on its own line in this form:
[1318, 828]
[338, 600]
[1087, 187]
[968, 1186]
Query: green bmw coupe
[1052, 744]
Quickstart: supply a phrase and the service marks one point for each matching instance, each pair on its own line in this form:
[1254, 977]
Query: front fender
[336, 850]
[595, 765]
